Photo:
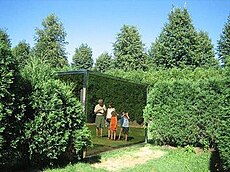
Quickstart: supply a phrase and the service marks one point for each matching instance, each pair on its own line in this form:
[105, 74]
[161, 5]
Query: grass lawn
[136, 135]
[143, 157]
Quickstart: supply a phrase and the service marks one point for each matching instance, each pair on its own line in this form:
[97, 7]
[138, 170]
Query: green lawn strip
[176, 160]
[79, 167]
[136, 135]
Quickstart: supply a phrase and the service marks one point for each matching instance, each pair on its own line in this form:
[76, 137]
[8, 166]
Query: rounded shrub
[57, 125]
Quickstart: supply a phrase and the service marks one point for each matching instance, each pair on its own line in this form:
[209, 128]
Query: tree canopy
[129, 50]
[104, 62]
[82, 58]
[180, 45]
[224, 43]
[50, 42]
[21, 52]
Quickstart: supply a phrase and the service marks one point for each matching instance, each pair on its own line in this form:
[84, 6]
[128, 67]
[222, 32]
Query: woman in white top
[108, 117]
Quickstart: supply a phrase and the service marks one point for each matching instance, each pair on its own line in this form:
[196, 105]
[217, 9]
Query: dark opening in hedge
[90, 86]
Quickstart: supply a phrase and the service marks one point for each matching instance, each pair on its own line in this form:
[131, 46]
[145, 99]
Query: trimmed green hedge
[187, 107]
[184, 113]
[223, 139]
[126, 96]
[154, 76]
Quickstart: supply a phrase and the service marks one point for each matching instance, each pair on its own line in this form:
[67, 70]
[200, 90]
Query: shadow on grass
[215, 162]
[92, 159]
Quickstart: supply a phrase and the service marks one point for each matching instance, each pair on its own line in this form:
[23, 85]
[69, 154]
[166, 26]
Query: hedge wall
[126, 96]
[223, 139]
[184, 113]
[188, 107]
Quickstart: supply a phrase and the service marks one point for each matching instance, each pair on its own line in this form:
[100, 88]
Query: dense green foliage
[126, 96]
[50, 42]
[7, 72]
[103, 63]
[187, 106]
[224, 43]
[129, 50]
[21, 52]
[154, 76]
[180, 45]
[57, 125]
[184, 113]
[11, 107]
[223, 141]
[224, 132]
[82, 58]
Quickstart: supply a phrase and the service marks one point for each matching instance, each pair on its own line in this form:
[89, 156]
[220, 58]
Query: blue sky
[96, 22]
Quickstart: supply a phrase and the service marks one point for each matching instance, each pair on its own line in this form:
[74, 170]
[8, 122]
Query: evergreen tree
[204, 52]
[82, 58]
[180, 45]
[224, 43]
[104, 62]
[21, 52]
[129, 50]
[10, 108]
[50, 42]
[6, 79]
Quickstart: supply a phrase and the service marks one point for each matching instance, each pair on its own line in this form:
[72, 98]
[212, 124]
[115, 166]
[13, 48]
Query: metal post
[84, 92]
[146, 132]
[146, 124]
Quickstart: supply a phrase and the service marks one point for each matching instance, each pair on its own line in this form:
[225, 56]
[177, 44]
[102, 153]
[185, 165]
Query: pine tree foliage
[103, 63]
[21, 52]
[82, 58]
[50, 42]
[224, 43]
[180, 45]
[129, 50]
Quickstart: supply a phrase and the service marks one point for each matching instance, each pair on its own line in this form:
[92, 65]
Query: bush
[184, 113]
[12, 108]
[57, 125]
[223, 139]
[187, 107]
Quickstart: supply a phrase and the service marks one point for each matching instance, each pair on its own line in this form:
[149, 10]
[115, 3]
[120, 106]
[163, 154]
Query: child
[113, 125]
[125, 126]
[121, 123]
[108, 117]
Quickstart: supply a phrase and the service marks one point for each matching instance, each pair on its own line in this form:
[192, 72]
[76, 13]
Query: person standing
[125, 127]
[113, 125]
[108, 117]
[100, 110]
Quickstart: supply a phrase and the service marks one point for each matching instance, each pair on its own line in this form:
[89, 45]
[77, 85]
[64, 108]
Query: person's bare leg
[126, 137]
[111, 135]
[108, 133]
[96, 131]
[114, 135]
[119, 137]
